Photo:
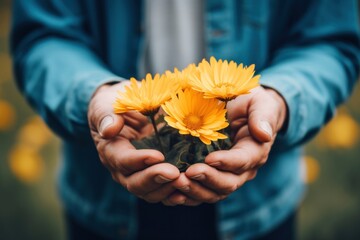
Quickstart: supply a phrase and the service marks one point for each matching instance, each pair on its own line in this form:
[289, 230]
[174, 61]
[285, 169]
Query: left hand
[142, 172]
[255, 119]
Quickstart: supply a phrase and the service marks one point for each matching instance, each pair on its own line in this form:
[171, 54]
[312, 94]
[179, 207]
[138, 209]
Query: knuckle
[131, 188]
[126, 186]
[264, 153]
[213, 199]
[114, 177]
[252, 175]
[100, 145]
[135, 189]
[96, 137]
[103, 160]
[250, 163]
[229, 189]
[117, 178]
[105, 157]
[122, 168]
[267, 149]
[222, 197]
[262, 161]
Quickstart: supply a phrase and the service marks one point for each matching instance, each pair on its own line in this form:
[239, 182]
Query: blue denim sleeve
[54, 63]
[317, 68]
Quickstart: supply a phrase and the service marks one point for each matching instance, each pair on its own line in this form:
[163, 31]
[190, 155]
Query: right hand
[142, 172]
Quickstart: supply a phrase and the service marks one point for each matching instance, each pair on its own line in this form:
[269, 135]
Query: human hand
[255, 120]
[141, 172]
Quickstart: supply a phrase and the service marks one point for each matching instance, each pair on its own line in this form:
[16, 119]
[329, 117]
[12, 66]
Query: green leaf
[181, 150]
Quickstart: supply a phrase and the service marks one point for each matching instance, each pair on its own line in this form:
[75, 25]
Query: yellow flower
[190, 113]
[34, 133]
[26, 164]
[7, 115]
[342, 132]
[312, 169]
[183, 76]
[145, 97]
[222, 80]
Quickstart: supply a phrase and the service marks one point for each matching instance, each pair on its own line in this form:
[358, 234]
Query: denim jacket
[63, 50]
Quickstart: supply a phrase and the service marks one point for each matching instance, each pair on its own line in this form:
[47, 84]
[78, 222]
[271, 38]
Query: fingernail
[199, 177]
[161, 179]
[265, 126]
[107, 121]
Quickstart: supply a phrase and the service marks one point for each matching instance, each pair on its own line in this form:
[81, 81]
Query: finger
[148, 180]
[160, 194]
[135, 120]
[266, 115]
[245, 155]
[101, 116]
[191, 202]
[238, 108]
[119, 155]
[181, 184]
[221, 182]
[178, 198]
[194, 190]
[241, 133]
[236, 125]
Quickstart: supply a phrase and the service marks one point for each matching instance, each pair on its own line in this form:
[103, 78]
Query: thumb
[261, 129]
[110, 125]
[266, 115]
[101, 116]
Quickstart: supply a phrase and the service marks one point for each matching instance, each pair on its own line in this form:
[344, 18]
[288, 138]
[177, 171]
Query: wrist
[103, 87]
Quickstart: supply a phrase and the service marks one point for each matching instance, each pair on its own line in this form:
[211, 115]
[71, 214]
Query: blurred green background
[30, 209]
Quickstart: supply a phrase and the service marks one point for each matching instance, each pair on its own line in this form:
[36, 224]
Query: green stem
[191, 156]
[152, 119]
[221, 144]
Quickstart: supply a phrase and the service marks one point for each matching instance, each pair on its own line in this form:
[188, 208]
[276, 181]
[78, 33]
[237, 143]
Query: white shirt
[174, 35]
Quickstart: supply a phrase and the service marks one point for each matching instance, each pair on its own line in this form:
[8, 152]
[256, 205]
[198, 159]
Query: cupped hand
[142, 172]
[255, 119]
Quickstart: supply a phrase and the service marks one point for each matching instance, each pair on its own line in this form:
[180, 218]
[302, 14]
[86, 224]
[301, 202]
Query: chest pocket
[238, 30]
[252, 13]
[251, 31]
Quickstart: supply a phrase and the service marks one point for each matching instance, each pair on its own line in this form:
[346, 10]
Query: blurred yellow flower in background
[25, 160]
[7, 115]
[34, 133]
[147, 96]
[222, 80]
[191, 113]
[311, 169]
[341, 132]
[26, 164]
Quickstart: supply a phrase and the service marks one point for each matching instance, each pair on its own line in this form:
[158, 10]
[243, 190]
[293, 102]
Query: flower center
[193, 122]
[149, 111]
